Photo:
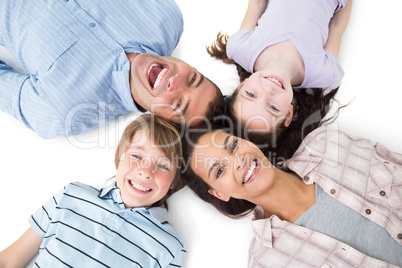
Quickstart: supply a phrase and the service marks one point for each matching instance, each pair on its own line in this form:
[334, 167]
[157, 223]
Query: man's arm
[21, 251]
[254, 11]
[337, 26]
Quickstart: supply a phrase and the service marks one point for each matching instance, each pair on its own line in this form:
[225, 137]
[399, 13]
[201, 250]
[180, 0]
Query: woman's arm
[337, 26]
[254, 11]
[22, 250]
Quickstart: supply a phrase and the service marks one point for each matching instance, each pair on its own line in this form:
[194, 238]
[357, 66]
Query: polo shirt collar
[111, 191]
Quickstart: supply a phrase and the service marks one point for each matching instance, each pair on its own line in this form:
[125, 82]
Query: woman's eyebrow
[212, 167]
[225, 143]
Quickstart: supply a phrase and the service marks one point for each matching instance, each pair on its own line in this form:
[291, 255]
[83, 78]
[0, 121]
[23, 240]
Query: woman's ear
[219, 195]
[289, 116]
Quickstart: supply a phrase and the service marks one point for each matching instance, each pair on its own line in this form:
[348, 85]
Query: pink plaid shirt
[361, 174]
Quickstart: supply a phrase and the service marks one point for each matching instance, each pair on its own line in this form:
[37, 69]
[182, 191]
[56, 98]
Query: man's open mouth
[155, 74]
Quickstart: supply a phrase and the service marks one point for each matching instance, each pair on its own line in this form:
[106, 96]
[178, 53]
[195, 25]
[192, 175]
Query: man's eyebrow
[212, 167]
[201, 80]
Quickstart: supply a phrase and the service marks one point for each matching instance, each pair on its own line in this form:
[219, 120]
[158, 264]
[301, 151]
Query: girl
[338, 204]
[285, 44]
[123, 224]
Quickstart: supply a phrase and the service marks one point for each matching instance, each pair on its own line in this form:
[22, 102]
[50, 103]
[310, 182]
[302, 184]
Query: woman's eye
[251, 95]
[233, 145]
[219, 172]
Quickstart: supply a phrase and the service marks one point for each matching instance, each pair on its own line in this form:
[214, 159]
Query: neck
[288, 198]
[285, 56]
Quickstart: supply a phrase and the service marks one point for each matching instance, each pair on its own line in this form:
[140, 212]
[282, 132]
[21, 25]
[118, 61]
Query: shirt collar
[111, 191]
[262, 227]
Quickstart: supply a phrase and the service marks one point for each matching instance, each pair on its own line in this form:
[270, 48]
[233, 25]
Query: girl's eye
[233, 145]
[274, 108]
[219, 171]
[193, 79]
[251, 95]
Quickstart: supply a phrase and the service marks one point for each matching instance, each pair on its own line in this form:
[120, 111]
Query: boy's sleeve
[41, 219]
[178, 259]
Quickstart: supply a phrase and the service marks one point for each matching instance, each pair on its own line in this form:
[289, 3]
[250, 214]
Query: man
[89, 62]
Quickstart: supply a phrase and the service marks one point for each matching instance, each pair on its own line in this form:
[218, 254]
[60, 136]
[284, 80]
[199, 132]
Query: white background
[33, 169]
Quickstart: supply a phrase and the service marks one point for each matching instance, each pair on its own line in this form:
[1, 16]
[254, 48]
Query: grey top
[331, 217]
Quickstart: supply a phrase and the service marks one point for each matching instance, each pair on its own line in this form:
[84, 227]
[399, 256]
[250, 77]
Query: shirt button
[306, 178]
[382, 193]
[399, 236]
[386, 162]
[333, 191]
[368, 211]
[92, 25]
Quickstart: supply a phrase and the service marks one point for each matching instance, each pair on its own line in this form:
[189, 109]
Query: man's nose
[176, 84]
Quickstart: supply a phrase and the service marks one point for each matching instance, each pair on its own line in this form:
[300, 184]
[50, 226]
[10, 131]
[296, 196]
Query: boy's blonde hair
[164, 135]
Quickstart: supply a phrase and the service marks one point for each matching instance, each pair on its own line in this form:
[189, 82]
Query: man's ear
[219, 195]
[289, 116]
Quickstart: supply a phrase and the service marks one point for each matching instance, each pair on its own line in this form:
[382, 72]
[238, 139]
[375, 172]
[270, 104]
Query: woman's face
[264, 100]
[231, 166]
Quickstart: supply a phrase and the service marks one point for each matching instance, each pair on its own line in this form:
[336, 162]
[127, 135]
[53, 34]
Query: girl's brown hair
[164, 135]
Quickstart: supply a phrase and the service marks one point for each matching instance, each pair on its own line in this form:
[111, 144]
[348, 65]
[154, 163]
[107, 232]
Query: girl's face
[231, 166]
[264, 100]
[144, 174]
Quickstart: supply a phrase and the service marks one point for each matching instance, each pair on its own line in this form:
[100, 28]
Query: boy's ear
[289, 116]
[218, 195]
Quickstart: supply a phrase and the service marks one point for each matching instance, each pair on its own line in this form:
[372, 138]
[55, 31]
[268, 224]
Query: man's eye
[193, 79]
[177, 106]
[251, 95]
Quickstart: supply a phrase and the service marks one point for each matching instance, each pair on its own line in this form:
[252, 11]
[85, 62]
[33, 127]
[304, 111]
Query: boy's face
[144, 174]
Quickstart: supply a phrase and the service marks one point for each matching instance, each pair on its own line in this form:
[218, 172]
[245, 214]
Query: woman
[339, 203]
[281, 45]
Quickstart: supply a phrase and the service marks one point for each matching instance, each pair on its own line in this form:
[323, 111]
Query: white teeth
[250, 172]
[276, 81]
[160, 76]
[140, 187]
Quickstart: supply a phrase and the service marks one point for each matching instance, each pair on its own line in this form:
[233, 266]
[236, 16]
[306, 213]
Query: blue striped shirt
[74, 56]
[85, 227]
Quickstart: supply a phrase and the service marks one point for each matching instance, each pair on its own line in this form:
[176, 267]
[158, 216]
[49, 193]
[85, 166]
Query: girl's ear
[289, 116]
[219, 195]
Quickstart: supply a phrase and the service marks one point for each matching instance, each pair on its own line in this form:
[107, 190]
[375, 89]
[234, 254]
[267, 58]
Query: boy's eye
[251, 95]
[163, 166]
[136, 156]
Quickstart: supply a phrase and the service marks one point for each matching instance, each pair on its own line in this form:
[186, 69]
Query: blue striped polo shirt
[86, 227]
[74, 55]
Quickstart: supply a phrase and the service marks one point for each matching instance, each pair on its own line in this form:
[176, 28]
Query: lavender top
[305, 25]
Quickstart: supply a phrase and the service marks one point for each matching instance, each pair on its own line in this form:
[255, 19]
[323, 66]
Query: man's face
[170, 88]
